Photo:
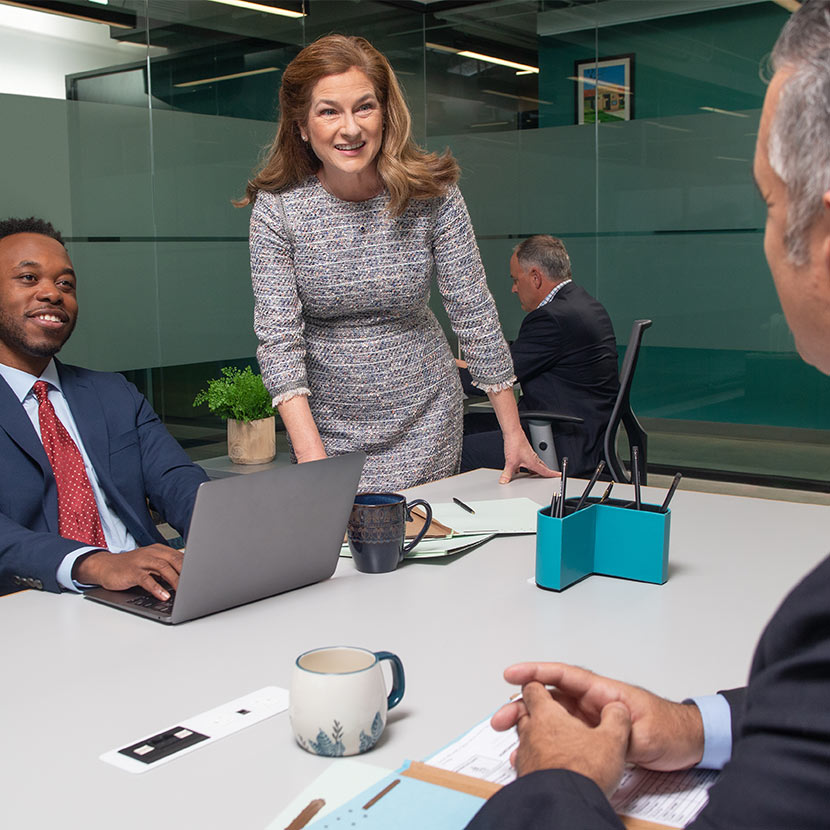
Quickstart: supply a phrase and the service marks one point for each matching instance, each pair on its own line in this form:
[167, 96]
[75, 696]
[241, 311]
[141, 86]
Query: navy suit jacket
[565, 358]
[778, 776]
[135, 459]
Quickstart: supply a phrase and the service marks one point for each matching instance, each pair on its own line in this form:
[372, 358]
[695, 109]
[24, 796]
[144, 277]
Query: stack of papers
[668, 799]
[448, 790]
[455, 531]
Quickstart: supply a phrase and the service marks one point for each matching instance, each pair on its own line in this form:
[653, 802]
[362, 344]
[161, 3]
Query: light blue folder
[410, 805]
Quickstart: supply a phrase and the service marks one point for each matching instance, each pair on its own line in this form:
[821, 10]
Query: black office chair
[540, 423]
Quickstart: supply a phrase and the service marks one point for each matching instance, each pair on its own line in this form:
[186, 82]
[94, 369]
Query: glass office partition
[639, 156]
[627, 128]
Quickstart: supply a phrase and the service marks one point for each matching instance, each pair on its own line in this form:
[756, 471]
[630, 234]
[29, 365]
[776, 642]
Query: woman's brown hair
[407, 171]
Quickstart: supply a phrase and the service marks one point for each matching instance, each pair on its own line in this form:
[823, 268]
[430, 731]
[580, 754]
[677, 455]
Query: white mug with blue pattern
[339, 699]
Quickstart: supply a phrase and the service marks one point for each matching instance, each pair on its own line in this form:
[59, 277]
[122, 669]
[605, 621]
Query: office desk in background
[80, 678]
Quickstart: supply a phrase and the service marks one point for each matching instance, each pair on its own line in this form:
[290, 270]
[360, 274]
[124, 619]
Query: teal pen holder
[609, 539]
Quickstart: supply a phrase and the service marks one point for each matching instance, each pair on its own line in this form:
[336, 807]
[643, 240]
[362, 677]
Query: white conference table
[80, 679]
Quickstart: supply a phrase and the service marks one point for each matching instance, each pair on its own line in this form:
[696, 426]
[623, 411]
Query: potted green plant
[240, 397]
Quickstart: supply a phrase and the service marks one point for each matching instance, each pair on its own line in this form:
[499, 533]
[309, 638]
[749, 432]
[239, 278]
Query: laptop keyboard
[147, 600]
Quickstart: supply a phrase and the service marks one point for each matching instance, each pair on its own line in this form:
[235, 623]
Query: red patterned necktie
[77, 512]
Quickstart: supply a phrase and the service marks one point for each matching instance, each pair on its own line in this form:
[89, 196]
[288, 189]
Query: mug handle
[427, 522]
[398, 679]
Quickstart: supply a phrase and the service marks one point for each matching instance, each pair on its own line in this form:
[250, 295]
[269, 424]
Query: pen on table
[665, 506]
[464, 506]
[591, 483]
[635, 474]
[606, 493]
[562, 487]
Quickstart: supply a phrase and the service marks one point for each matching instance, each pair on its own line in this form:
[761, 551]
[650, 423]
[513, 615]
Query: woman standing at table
[350, 217]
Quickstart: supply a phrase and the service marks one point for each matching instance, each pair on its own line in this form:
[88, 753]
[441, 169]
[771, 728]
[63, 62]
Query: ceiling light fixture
[64, 10]
[228, 77]
[437, 47]
[725, 112]
[499, 61]
[260, 7]
[524, 69]
[608, 86]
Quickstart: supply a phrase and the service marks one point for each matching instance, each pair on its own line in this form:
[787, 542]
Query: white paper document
[482, 753]
[670, 798]
[491, 516]
[432, 548]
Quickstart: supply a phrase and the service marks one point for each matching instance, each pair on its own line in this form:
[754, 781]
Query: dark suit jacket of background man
[565, 358]
[134, 456]
[779, 775]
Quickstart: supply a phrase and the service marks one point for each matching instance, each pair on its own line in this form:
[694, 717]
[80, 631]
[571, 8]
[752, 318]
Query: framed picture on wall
[604, 87]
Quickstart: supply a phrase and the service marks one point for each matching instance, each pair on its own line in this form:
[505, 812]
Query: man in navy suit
[774, 735]
[565, 358]
[127, 454]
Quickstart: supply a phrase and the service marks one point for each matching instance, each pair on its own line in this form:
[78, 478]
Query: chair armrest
[549, 417]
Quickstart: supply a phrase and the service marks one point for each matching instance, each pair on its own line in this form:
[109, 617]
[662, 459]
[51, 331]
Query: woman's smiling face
[344, 125]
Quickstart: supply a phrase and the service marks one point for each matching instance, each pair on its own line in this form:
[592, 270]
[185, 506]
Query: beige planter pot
[254, 442]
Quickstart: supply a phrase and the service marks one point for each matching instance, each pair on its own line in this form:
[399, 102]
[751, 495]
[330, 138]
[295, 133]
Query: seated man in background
[81, 451]
[565, 358]
[775, 733]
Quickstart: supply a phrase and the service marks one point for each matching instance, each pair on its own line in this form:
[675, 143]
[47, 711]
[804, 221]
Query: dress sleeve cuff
[717, 730]
[65, 569]
[495, 387]
[291, 393]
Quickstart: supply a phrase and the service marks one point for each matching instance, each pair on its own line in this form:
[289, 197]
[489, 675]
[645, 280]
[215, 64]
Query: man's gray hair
[799, 138]
[547, 253]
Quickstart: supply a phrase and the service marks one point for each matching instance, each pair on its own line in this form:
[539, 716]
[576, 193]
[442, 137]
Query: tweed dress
[341, 291]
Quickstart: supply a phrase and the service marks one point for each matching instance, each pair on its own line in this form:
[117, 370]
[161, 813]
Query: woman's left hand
[518, 453]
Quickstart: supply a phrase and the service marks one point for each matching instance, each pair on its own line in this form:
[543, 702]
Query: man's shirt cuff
[717, 730]
[65, 569]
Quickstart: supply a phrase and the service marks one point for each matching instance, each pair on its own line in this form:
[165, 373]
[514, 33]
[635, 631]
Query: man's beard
[12, 334]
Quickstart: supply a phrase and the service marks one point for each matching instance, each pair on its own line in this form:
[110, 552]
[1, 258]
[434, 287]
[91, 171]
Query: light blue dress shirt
[118, 538]
[553, 292]
[717, 730]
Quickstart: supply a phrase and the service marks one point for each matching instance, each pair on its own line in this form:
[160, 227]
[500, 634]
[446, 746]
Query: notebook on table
[253, 536]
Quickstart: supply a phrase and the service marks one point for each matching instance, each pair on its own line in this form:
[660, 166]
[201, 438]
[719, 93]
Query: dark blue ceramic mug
[377, 530]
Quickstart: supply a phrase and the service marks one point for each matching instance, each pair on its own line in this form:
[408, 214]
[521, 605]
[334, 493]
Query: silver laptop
[253, 536]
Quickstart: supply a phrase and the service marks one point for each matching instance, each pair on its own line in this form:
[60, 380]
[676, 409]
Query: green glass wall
[147, 132]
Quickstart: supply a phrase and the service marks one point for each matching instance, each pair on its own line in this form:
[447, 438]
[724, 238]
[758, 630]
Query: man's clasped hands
[570, 718]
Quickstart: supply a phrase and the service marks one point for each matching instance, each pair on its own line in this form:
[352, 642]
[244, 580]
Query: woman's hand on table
[517, 454]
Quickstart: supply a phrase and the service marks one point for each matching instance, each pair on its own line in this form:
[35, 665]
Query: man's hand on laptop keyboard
[119, 571]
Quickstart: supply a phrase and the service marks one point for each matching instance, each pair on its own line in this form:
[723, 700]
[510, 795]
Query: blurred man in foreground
[774, 735]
